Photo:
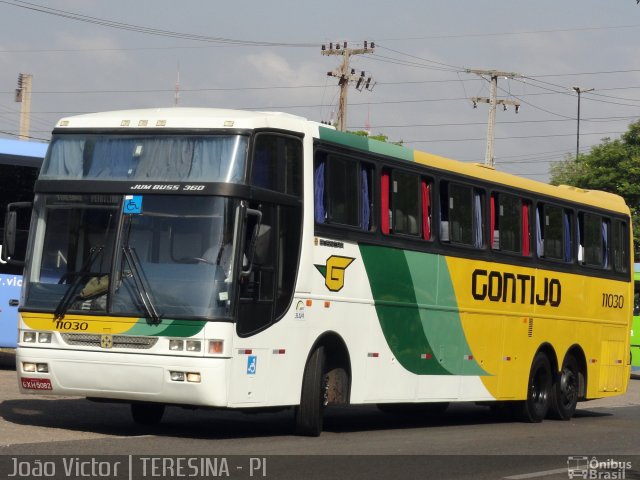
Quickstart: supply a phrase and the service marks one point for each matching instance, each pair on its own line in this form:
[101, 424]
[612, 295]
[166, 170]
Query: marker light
[29, 337]
[194, 346]
[176, 345]
[193, 377]
[216, 346]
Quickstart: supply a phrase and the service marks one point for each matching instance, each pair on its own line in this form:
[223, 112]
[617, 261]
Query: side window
[620, 241]
[341, 182]
[406, 208]
[17, 186]
[594, 240]
[506, 223]
[277, 163]
[343, 191]
[466, 219]
[554, 232]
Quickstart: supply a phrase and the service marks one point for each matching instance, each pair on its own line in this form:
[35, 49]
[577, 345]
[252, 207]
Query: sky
[88, 55]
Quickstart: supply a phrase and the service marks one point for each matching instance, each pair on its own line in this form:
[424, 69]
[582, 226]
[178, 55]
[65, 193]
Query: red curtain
[426, 202]
[525, 230]
[384, 202]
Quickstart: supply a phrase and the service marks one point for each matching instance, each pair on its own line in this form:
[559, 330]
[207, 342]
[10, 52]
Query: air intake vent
[119, 341]
[530, 328]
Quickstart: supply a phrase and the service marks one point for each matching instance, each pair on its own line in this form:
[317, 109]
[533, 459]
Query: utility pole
[23, 96]
[579, 90]
[493, 102]
[176, 93]
[346, 75]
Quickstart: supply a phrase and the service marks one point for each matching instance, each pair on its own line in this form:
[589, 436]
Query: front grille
[119, 341]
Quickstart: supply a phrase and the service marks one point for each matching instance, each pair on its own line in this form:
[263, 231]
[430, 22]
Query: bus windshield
[172, 258]
[208, 158]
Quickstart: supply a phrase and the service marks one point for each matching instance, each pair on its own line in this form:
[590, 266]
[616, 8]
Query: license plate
[36, 383]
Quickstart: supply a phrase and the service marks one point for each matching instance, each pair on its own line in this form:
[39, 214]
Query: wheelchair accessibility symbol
[251, 364]
[132, 204]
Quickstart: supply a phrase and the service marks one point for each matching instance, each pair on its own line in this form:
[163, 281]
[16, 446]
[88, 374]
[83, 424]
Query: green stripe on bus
[167, 327]
[366, 144]
[416, 307]
[398, 313]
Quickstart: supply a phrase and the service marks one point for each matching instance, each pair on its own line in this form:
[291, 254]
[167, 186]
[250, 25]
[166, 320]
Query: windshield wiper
[70, 295]
[139, 281]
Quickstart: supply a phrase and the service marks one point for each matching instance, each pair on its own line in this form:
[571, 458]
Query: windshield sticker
[132, 204]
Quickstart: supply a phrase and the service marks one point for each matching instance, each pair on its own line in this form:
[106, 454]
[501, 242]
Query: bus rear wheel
[309, 414]
[564, 393]
[144, 413]
[536, 406]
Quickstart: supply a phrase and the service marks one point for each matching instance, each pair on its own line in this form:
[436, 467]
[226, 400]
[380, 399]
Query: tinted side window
[406, 207]
[277, 164]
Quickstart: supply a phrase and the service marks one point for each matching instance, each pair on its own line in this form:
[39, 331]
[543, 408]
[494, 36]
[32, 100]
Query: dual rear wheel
[549, 394]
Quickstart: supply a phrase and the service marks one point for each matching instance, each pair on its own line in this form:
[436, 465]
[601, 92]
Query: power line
[146, 30]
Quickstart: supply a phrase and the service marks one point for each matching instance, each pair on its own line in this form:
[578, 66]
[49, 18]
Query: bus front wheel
[147, 413]
[312, 399]
[536, 406]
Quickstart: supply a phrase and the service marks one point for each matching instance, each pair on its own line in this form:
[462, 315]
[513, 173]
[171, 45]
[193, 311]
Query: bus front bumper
[130, 377]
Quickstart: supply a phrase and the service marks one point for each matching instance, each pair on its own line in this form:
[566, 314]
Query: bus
[19, 165]
[260, 261]
[635, 327]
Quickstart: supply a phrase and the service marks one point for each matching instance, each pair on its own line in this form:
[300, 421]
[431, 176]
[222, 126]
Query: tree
[380, 137]
[612, 166]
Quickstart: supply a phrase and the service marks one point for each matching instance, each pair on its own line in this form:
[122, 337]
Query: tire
[536, 406]
[147, 413]
[312, 399]
[564, 392]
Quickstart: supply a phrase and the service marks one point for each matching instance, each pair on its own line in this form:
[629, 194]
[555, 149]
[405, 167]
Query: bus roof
[22, 152]
[23, 148]
[210, 118]
[206, 118]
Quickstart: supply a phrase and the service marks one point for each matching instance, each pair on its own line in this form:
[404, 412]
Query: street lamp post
[579, 90]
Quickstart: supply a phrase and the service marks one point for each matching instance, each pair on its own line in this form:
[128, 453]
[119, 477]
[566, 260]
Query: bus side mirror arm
[10, 233]
[246, 270]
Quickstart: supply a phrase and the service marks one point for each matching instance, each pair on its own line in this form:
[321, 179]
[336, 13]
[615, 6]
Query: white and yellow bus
[249, 260]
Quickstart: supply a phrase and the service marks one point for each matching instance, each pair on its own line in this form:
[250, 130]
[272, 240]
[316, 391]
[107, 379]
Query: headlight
[29, 337]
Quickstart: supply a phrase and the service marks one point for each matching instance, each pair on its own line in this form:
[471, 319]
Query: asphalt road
[358, 442]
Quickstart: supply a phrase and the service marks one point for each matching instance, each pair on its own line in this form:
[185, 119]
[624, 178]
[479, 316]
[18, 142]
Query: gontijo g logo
[333, 271]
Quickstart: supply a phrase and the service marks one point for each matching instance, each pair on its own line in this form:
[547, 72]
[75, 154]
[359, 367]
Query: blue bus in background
[20, 163]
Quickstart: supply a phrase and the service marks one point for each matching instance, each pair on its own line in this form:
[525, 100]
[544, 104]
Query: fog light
[42, 367]
[29, 367]
[193, 345]
[44, 337]
[177, 376]
[193, 377]
[176, 345]
[216, 346]
[29, 337]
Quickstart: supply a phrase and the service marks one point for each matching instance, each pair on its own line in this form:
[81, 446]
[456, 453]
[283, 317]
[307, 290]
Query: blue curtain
[539, 241]
[208, 159]
[318, 195]
[605, 245]
[477, 212]
[64, 159]
[567, 237]
[366, 209]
